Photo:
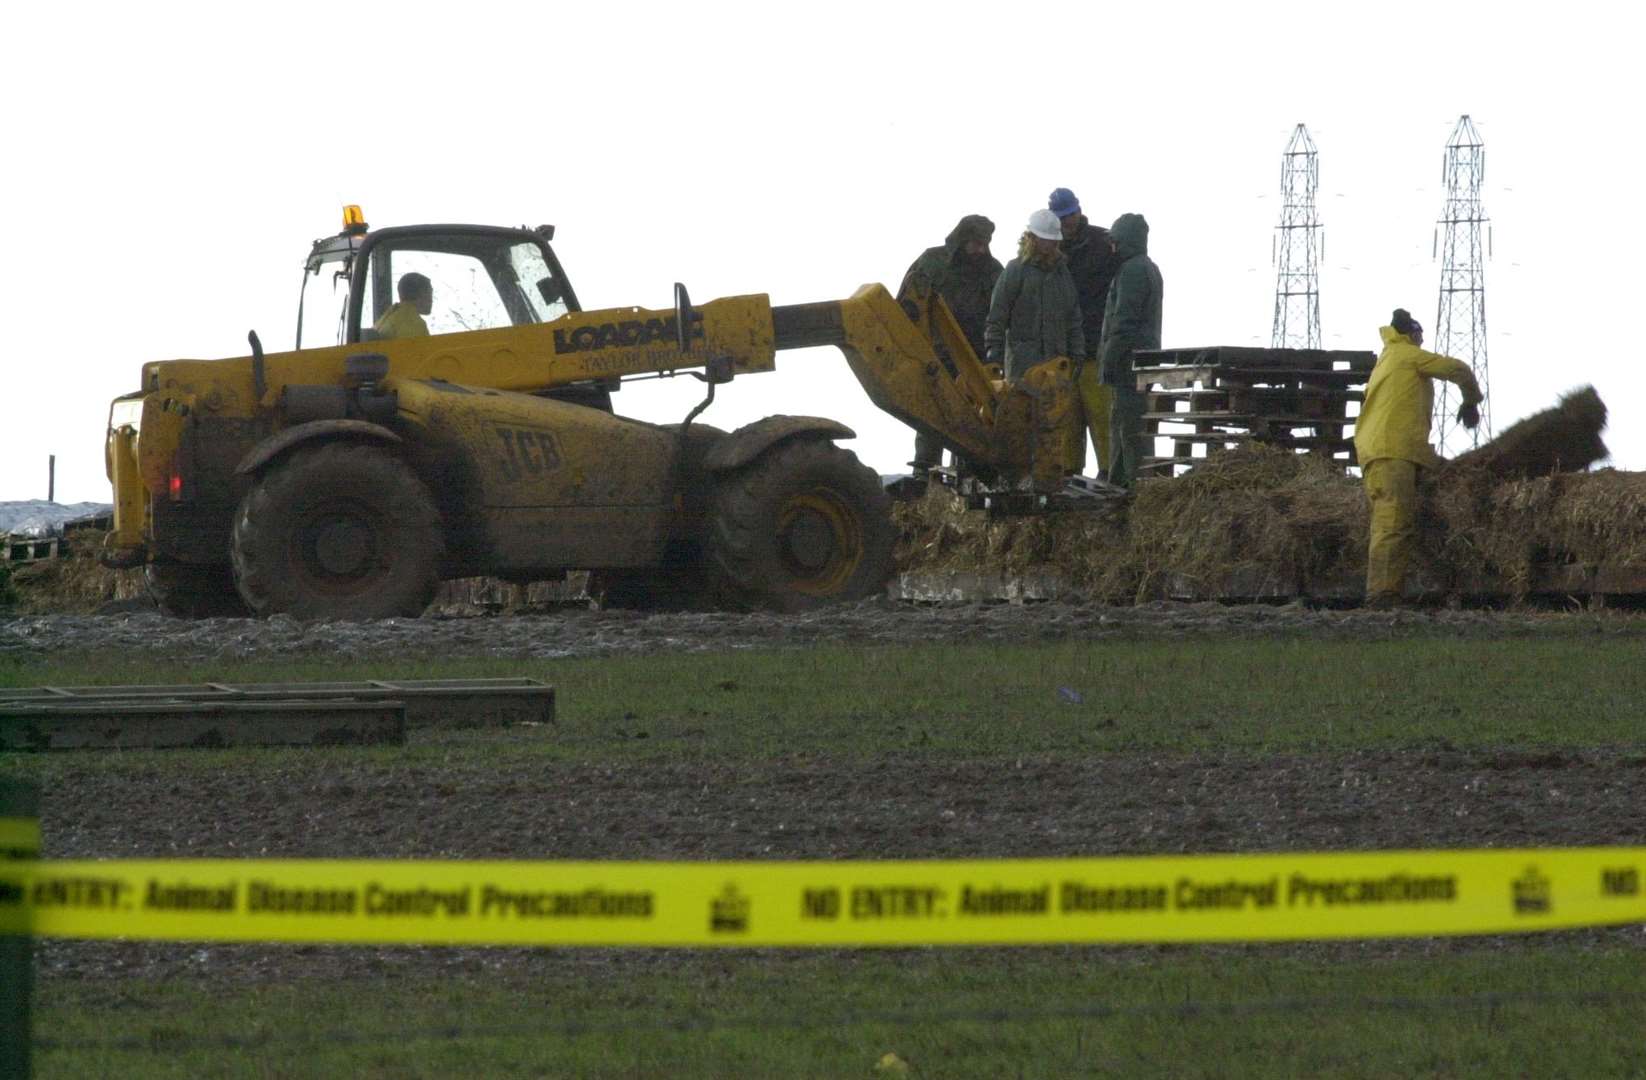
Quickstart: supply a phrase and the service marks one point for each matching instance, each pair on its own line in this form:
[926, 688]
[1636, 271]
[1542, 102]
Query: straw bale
[1565, 438]
[938, 533]
[76, 582]
[1258, 512]
[1261, 514]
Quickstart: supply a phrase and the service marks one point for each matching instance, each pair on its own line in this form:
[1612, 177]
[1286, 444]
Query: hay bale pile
[1522, 499]
[1565, 438]
[1261, 521]
[74, 584]
[1254, 521]
[939, 534]
[1503, 529]
[1255, 514]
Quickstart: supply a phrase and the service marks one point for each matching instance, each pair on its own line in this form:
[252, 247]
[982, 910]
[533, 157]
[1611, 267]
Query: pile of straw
[1503, 529]
[75, 583]
[1565, 438]
[1259, 513]
[1264, 521]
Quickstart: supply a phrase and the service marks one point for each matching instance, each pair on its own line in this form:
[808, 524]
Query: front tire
[803, 525]
[338, 531]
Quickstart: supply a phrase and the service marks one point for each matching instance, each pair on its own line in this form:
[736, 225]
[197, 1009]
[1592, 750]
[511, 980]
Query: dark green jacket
[1034, 316]
[1131, 318]
[1093, 266]
[964, 283]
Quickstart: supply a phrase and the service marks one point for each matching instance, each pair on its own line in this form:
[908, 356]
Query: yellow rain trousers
[1096, 399]
[1391, 488]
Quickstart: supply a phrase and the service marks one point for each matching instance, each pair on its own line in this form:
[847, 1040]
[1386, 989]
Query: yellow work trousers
[1391, 489]
[1095, 399]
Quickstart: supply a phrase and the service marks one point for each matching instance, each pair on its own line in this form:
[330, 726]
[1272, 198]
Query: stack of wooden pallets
[1205, 400]
[21, 549]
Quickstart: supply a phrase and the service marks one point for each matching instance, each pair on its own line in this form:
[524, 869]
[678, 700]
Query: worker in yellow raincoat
[1392, 445]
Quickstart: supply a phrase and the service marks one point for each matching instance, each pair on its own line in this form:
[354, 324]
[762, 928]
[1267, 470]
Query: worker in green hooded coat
[1034, 315]
[1131, 323]
[963, 272]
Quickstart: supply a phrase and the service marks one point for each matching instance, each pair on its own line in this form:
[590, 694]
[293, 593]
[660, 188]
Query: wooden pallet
[261, 714]
[1218, 398]
[21, 549]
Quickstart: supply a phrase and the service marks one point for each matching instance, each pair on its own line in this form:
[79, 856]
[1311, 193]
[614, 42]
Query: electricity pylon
[1298, 247]
[1460, 322]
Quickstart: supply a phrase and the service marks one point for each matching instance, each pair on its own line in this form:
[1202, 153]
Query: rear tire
[338, 531]
[190, 591]
[803, 525]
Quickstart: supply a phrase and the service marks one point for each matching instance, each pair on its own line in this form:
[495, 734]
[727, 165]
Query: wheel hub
[810, 540]
[819, 542]
[342, 547]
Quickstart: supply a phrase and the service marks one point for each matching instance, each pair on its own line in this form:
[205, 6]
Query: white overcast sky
[167, 166]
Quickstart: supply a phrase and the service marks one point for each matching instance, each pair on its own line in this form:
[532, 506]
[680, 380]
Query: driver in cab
[405, 319]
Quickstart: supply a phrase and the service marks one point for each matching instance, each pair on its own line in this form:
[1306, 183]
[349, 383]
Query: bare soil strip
[894, 807]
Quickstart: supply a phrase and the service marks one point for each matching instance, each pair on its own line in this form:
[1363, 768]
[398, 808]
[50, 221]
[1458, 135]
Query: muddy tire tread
[738, 549]
[419, 544]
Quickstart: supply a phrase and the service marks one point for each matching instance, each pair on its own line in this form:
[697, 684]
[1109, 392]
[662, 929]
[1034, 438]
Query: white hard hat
[1044, 224]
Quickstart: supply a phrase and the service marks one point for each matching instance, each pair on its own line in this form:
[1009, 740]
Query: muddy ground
[893, 807]
[898, 806]
[575, 632]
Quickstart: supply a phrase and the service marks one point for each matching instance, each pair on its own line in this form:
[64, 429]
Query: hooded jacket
[966, 284]
[1400, 396]
[1093, 266]
[1131, 315]
[1034, 315]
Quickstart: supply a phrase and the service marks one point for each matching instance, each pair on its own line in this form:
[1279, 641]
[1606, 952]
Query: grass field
[1565, 1005]
[1269, 695]
[1034, 1013]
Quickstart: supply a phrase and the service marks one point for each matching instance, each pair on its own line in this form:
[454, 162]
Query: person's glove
[1469, 415]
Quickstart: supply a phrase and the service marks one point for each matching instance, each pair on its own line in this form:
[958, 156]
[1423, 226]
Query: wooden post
[19, 842]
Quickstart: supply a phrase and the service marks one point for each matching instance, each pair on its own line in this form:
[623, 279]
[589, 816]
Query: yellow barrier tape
[19, 838]
[1018, 901]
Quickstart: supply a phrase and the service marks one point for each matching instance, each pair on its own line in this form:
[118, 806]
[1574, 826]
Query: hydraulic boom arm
[915, 363]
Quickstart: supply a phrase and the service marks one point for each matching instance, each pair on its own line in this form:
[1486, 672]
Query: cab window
[539, 286]
[465, 298]
[323, 308]
[479, 281]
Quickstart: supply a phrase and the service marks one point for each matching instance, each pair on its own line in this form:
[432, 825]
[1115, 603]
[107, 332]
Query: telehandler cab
[345, 479]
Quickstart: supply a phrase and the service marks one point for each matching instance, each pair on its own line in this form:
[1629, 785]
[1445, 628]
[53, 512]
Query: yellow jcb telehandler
[347, 479]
